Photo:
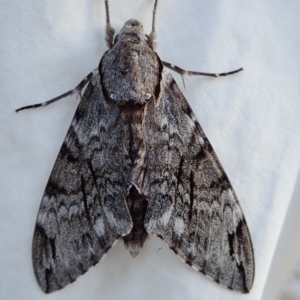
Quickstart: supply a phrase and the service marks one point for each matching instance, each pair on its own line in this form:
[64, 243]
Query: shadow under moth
[135, 161]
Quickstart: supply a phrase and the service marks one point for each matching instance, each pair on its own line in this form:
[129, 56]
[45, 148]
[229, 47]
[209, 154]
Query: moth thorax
[130, 72]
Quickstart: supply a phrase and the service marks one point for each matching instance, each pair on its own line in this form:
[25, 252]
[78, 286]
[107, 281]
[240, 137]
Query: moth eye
[147, 96]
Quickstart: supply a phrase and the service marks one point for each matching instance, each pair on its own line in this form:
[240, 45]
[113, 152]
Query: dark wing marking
[83, 210]
[192, 205]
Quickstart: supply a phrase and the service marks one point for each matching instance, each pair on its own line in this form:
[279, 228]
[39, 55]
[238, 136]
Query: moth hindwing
[136, 161]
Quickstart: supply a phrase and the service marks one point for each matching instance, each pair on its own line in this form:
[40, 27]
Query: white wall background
[251, 119]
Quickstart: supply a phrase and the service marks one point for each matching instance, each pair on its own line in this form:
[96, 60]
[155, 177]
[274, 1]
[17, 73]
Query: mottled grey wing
[83, 210]
[191, 204]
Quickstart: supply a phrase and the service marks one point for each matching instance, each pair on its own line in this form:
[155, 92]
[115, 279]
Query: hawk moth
[135, 161]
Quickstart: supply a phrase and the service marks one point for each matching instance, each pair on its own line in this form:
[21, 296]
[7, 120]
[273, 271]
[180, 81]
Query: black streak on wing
[231, 243]
[84, 198]
[191, 195]
[180, 171]
[93, 173]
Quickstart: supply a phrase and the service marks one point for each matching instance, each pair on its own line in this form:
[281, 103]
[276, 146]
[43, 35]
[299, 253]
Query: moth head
[132, 30]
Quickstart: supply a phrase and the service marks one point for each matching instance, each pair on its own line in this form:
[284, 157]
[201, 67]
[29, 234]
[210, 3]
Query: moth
[135, 161]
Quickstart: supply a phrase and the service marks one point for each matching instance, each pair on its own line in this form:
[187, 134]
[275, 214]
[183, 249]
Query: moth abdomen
[137, 205]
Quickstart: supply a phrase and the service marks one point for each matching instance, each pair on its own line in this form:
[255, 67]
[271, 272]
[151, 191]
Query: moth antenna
[152, 35]
[109, 32]
[154, 16]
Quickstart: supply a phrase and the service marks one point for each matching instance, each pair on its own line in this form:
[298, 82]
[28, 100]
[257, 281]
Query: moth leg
[77, 90]
[109, 31]
[152, 38]
[185, 73]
